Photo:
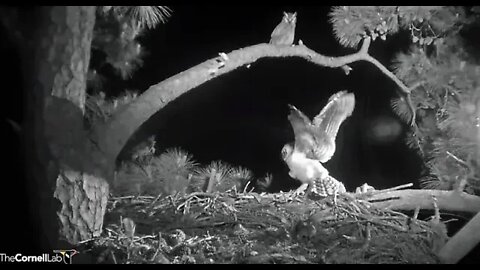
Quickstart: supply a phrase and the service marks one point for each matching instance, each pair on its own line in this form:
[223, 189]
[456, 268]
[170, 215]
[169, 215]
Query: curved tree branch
[112, 136]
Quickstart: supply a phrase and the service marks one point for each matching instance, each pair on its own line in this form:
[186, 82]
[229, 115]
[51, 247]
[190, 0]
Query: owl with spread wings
[315, 144]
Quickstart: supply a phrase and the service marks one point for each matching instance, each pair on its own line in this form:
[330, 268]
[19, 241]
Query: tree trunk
[62, 165]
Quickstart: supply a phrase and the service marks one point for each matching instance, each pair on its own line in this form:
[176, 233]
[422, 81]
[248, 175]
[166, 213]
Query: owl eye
[284, 152]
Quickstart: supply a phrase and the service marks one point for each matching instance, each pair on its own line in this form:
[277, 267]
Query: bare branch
[458, 160]
[365, 46]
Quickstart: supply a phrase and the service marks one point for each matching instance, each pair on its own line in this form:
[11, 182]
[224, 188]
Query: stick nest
[261, 228]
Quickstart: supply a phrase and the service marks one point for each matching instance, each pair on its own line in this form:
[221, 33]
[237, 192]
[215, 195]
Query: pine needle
[151, 16]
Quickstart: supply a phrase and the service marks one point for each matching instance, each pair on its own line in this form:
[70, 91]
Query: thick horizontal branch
[112, 136]
[409, 199]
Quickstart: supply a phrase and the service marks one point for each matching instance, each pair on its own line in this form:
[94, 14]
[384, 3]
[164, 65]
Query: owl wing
[277, 32]
[328, 121]
[302, 128]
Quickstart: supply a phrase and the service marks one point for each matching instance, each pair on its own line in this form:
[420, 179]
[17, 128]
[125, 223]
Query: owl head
[287, 151]
[290, 17]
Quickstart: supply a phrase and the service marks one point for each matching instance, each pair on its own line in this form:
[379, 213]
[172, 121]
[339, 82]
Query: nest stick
[211, 181]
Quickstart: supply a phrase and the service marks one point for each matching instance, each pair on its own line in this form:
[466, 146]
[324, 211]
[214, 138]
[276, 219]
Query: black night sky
[241, 117]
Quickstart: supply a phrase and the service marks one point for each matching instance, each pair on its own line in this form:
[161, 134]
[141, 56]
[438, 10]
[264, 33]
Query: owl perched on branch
[315, 144]
[284, 33]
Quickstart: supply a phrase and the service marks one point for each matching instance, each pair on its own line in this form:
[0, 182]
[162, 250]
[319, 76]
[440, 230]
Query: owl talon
[365, 188]
[300, 191]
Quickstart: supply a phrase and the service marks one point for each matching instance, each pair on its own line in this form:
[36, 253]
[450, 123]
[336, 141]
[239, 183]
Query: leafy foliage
[175, 172]
[116, 37]
[264, 183]
[447, 102]
[241, 178]
[352, 24]
[226, 177]
[427, 24]
[99, 108]
[171, 172]
[116, 46]
[149, 16]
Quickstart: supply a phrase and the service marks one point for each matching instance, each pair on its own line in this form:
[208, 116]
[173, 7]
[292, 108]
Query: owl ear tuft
[285, 14]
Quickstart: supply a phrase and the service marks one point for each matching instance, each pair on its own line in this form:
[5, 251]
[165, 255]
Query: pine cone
[325, 187]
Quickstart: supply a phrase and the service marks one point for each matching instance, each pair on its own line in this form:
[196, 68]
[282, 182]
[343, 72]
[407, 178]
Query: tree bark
[63, 167]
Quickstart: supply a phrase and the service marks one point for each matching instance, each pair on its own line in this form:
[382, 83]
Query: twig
[113, 257]
[198, 194]
[368, 237]
[375, 192]
[155, 200]
[132, 197]
[379, 222]
[246, 186]
[194, 242]
[437, 210]
[463, 181]
[86, 241]
[394, 188]
[159, 247]
[415, 214]
[211, 180]
[464, 163]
